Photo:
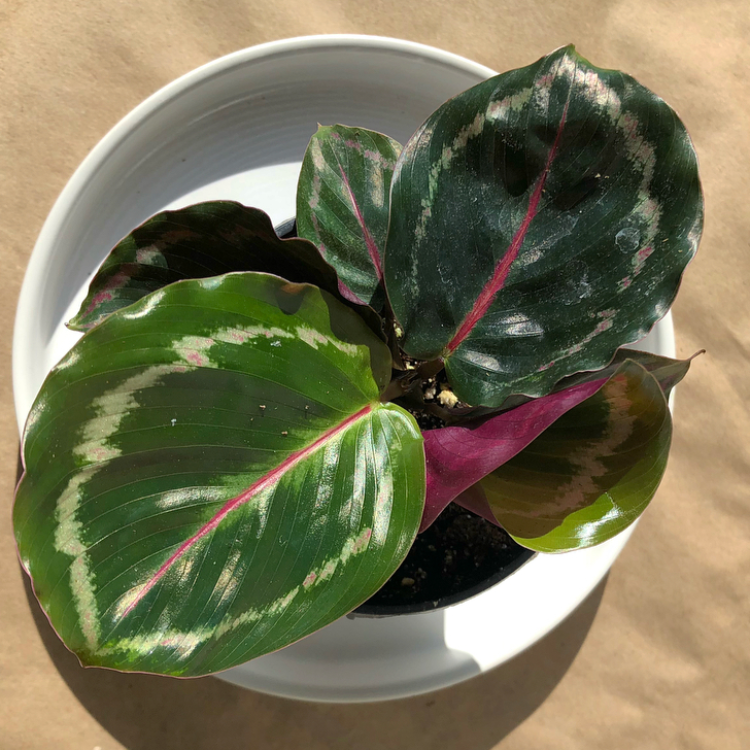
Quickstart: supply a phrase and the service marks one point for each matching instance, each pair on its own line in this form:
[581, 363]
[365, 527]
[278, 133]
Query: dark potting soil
[457, 555]
[460, 555]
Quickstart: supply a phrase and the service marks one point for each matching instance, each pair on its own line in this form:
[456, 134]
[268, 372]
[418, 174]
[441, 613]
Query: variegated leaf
[342, 204]
[590, 474]
[207, 239]
[210, 476]
[539, 220]
[667, 371]
[461, 454]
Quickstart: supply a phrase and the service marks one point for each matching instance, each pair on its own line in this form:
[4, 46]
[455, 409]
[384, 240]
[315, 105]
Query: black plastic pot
[461, 555]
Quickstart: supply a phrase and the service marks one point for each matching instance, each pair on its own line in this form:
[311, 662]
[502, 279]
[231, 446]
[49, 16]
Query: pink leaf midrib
[502, 269]
[372, 248]
[259, 485]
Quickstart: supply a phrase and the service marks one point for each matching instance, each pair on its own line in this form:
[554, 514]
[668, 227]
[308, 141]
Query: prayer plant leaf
[590, 474]
[210, 476]
[668, 372]
[342, 204]
[207, 239]
[539, 220]
[459, 455]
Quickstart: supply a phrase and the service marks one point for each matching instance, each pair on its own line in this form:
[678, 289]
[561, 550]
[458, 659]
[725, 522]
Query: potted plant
[247, 440]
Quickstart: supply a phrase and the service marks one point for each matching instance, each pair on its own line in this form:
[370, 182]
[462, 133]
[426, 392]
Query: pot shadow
[145, 712]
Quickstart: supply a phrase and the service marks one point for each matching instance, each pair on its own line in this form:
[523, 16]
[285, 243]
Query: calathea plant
[229, 458]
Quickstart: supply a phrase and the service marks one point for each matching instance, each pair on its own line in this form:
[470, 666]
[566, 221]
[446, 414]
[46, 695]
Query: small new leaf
[590, 474]
[342, 205]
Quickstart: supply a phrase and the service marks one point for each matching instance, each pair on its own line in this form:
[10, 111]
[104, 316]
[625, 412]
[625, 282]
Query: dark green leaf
[207, 239]
[668, 372]
[457, 457]
[210, 476]
[539, 220]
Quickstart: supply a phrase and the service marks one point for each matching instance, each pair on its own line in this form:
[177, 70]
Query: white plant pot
[237, 129]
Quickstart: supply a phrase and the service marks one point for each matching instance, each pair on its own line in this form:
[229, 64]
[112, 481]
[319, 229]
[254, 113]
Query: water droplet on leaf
[577, 286]
[628, 239]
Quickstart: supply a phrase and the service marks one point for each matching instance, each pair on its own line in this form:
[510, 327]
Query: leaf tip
[76, 324]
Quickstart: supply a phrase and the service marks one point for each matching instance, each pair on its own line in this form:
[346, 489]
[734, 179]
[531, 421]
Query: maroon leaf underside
[457, 457]
[475, 500]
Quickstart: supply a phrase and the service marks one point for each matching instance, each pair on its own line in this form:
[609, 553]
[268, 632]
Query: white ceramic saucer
[237, 129]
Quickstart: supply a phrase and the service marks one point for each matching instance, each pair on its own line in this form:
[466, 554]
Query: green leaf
[210, 476]
[667, 371]
[589, 475]
[539, 220]
[207, 239]
[342, 204]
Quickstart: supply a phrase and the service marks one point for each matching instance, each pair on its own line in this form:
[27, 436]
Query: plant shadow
[145, 712]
